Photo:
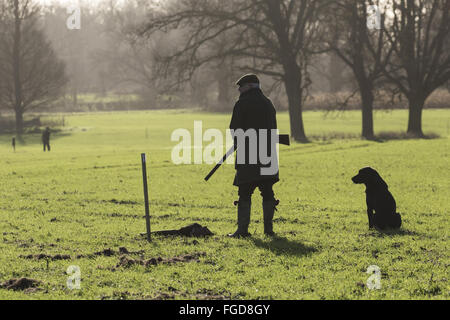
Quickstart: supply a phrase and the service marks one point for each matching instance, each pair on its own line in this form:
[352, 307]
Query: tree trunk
[75, 97]
[19, 121]
[17, 68]
[367, 112]
[296, 121]
[415, 117]
[292, 84]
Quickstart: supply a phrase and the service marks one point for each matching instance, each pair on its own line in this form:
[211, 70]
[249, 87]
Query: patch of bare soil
[207, 294]
[164, 296]
[126, 261]
[201, 294]
[22, 284]
[172, 293]
[192, 230]
[125, 295]
[108, 253]
[44, 256]
[115, 201]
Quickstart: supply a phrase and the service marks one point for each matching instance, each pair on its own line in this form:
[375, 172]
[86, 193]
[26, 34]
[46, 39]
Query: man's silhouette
[255, 111]
[46, 139]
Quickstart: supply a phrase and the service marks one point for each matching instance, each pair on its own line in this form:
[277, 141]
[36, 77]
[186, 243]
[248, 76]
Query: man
[46, 138]
[253, 111]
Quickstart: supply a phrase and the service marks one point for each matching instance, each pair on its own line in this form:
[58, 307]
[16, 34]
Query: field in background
[86, 196]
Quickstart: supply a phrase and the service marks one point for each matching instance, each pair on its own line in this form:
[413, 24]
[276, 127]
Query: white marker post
[147, 210]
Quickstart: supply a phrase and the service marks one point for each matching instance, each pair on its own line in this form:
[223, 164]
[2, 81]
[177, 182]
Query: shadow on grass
[329, 136]
[392, 232]
[284, 246]
[393, 135]
[399, 232]
[380, 137]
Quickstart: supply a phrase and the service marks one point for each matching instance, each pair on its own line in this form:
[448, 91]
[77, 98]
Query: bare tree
[76, 47]
[225, 73]
[129, 62]
[419, 34]
[361, 48]
[272, 37]
[31, 74]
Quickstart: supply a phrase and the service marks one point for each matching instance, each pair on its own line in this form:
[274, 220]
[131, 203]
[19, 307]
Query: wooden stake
[147, 210]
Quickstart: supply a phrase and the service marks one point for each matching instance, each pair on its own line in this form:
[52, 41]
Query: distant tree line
[404, 49]
[31, 75]
[191, 52]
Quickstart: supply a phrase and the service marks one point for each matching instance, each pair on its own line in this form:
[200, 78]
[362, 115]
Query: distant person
[255, 111]
[14, 143]
[46, 138]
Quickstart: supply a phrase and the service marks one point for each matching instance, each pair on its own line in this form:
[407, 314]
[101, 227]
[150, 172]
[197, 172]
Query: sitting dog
[381, 206]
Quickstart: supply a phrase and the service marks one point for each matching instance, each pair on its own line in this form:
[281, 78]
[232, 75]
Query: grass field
[85, 196]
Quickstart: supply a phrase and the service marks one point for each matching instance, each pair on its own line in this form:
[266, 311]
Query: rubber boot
[243, 219]
[269, 208]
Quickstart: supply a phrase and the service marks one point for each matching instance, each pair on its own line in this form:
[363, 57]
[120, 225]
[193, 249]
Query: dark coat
[253, 110]
[46, 136]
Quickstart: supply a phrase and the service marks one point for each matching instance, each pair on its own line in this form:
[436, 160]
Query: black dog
[378, 199]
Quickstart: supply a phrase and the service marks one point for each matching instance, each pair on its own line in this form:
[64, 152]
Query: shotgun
[282, 139]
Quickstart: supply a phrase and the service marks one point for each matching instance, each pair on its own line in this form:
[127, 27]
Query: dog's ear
[377, 180]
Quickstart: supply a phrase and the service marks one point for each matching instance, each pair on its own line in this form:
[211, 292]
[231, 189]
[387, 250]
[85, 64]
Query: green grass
[63, 203]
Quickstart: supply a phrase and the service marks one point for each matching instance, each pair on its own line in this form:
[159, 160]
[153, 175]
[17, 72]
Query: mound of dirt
[206, 294]
[192, 230]
[20, 284]
[123, 250]
[173, 293]
[201, 294]
[108, 253]
[41, 256]
[126, 261]
[115, 201]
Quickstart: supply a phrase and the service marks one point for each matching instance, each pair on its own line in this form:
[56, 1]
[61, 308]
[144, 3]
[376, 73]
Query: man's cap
[248, 78]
